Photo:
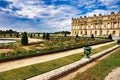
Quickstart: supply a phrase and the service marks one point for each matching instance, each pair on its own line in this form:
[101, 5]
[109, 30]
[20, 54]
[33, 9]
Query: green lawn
[36, 69]
[101, 69]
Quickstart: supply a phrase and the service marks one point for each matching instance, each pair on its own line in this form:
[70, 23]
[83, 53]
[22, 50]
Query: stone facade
[101, 25]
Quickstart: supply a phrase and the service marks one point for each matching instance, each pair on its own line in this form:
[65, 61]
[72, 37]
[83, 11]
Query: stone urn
[87, 51]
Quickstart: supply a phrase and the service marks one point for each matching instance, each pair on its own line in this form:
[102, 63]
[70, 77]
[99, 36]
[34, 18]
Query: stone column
[117, 24]
[94, 25]
[111, 25]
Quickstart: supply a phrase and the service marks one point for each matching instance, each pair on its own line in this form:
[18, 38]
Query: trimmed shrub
[77, 36]
[38, 34]
[47, 36]
[43, 35]
[31, 35]
[110, 37]
[24, 40]
[92, 36]
[65, 35]
[17, 35]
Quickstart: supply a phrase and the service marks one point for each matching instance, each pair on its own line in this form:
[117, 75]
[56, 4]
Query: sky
[50, 15]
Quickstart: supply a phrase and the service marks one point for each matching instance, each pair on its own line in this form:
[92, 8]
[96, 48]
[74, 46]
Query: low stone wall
[68, 68]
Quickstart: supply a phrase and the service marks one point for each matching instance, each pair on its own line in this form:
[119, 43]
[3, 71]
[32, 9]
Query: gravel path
[30, 39]
[114, 75]
[4, 66]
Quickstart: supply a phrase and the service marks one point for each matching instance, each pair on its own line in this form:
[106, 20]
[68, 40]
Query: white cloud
[109, 2]
[99, 11]
[56, 17]
[84, 3]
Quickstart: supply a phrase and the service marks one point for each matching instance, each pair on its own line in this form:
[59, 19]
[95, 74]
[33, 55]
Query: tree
[17, 35]
[10, 32]
[110, 37]
[4, 34]
[92, 36]
[65, 35]
[24, 40]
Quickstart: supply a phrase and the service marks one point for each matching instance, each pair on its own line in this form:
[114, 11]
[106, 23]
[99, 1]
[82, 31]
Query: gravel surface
[114, 75]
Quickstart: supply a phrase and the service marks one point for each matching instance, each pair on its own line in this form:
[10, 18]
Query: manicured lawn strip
[102, 48]
[36, 69]
[101, 69]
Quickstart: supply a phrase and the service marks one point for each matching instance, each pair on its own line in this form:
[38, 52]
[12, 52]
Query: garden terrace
[55, 44]
[36, 69]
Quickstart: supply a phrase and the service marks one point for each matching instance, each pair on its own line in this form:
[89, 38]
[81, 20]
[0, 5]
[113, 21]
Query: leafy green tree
[65, 35]
[110, 37]
[10, 34]
[24, 40]
[4, 34]
[17, 35]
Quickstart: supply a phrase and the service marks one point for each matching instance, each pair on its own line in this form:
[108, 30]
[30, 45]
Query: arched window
[107, 32]
[95, 32]
[100, 32]
[81, 32]
[114, 32]
[90, 32]
[108, 26]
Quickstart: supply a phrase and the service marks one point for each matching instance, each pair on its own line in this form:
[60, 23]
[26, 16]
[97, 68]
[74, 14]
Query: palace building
[101, 25]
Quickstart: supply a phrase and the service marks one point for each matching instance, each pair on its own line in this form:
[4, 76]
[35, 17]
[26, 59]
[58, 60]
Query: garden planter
[87, 51]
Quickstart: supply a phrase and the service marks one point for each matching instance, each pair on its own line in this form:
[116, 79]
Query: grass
[101, 48]
[101, 69]
[36, 69]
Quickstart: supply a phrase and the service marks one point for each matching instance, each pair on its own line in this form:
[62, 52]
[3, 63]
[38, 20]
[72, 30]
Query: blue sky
[50, 15]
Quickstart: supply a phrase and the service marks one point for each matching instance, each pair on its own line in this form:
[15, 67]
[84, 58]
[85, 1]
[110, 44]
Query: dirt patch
[27, 47]
[5, 51]
[38, 46]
